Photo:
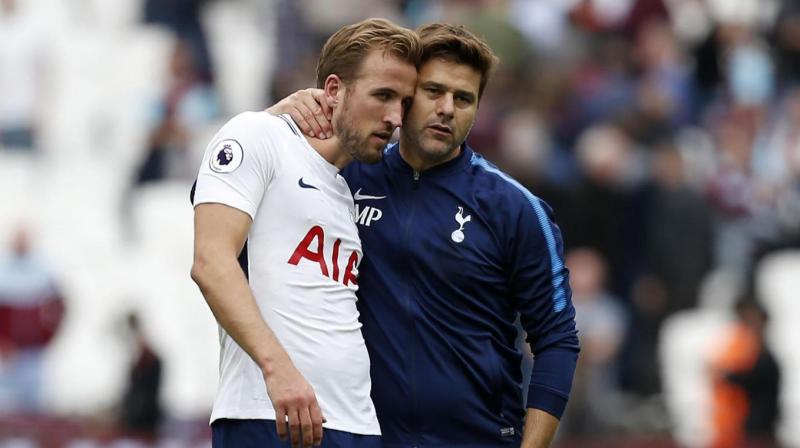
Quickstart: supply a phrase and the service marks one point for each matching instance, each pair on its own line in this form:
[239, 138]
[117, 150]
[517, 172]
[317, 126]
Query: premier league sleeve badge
[226, 156]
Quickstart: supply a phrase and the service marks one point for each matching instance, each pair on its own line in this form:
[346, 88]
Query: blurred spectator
[21, 76]
[707, 69]
[664, 86]
[525, 148]
[543, 22]
[602, 87]
[750, 73]
[140, 409]
[776, 157]
[596, 398]
[787, 42]
[776, 164]
[31, 309]
[604, 209]
[601, 15]
[183, 17]
[644, 15]
[588, 96]
[677, 249]
[295, 47]
[491, 21]
[189, 103]
[742, 205]
[679, 237]
[746, 381]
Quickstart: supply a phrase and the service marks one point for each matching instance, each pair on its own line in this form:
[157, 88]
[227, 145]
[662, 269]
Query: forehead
[382, 70]
[454, 75]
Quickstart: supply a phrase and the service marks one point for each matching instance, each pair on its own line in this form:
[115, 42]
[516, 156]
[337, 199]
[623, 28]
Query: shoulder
[502, 190]
[261, 134]
[254, 124]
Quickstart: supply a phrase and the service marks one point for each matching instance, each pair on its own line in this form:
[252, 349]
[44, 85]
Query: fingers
[294, 427]
[310, 114]
[325, 114]
[322, 122]
[319, 98]
[304, 120]
[310, 110]
[295, 406]
[280, 422]
[305, 427]
[316, 422]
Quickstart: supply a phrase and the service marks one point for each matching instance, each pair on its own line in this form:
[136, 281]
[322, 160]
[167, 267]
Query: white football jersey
[303, 252]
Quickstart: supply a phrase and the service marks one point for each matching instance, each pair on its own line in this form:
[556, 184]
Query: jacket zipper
[409, 304]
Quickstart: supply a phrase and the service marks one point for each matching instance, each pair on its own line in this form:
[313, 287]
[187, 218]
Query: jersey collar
[395, 161]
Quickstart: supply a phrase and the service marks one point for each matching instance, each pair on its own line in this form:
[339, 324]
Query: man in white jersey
[292, 353]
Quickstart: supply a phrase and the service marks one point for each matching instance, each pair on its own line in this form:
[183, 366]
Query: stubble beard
[423, 146]
[352, 142]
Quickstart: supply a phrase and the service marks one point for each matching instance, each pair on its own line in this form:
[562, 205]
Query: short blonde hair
[346, 49]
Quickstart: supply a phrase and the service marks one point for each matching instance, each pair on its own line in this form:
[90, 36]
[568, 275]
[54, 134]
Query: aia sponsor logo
[312, 249]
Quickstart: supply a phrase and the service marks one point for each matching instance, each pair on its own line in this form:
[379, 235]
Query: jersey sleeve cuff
[239, 204]
[542, 398]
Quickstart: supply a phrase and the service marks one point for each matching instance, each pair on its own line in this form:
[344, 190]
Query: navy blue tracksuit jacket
[452, 255]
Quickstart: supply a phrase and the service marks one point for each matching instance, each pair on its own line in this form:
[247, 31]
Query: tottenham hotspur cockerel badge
[458, 234]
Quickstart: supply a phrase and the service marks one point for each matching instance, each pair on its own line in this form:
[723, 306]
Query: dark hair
[346, 49]
[457, 44]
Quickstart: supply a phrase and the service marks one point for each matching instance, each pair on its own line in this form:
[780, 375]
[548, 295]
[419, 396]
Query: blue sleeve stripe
[556, 263]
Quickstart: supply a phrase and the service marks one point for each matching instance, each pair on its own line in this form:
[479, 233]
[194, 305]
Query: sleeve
[238, 164]
[539, 285]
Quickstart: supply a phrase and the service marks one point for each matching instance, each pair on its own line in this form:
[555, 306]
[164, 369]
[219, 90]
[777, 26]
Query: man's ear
[333, 88]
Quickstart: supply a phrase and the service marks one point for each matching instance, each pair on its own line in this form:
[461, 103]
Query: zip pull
[416, 175]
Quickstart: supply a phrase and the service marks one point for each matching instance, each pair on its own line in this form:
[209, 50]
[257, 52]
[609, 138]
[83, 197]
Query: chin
[436, 149]
[372, 156]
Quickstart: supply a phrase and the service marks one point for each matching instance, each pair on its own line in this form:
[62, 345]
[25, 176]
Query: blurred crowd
[666, 137]
[665, 134]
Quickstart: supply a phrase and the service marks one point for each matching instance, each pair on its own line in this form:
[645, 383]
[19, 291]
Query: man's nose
[445, 106]
[394, 115]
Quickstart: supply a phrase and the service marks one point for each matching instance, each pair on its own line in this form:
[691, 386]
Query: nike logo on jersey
[305, 185]
[358, 196]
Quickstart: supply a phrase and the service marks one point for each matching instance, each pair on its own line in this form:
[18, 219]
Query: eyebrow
[388, 90]
[445, 87]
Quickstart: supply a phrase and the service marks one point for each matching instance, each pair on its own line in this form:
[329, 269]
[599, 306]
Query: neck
[415, 157]
[331, 150]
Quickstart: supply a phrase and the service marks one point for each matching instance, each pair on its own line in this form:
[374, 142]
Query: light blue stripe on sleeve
[556, 263]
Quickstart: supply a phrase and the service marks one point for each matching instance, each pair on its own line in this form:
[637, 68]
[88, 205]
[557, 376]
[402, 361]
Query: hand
[293, 398]
[309, 109]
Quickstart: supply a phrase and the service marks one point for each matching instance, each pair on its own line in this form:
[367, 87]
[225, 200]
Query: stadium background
[664, 133]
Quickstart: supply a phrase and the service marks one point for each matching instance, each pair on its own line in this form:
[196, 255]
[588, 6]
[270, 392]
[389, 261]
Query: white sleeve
[239, 164]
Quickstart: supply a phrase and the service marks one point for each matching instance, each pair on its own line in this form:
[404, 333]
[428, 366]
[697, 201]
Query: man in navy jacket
[454, 250]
